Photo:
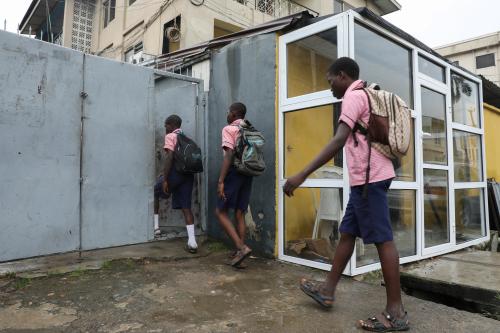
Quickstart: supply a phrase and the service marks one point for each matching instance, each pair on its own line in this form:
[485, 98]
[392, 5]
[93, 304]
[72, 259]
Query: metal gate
[117, 154]
[77, 147]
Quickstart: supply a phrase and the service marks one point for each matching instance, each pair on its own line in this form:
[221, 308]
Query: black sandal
[397, 324]
[311, 289]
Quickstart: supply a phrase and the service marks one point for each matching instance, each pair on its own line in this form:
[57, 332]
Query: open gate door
[183, 96]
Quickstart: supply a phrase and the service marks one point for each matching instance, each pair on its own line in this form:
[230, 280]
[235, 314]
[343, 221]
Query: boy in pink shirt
[365, 216]
[233, 189]
[174, 183]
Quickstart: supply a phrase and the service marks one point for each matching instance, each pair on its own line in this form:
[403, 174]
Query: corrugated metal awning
[177, 58]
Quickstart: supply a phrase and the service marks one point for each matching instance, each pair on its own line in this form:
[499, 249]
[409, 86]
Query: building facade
[480, 55]
[138, 30]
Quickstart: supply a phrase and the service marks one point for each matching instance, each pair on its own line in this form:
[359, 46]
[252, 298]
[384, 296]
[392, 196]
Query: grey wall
[51, 138]
[245, 71]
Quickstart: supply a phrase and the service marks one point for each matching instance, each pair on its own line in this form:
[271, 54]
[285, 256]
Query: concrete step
[468, 280]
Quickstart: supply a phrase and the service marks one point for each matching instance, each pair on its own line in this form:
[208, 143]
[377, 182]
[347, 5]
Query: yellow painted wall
[306, 133]
[306, 70]
[492, 140]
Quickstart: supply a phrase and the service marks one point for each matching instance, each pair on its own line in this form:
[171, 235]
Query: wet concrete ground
[180, 293]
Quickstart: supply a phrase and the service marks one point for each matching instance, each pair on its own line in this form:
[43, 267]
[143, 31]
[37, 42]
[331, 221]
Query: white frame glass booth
[438, 201]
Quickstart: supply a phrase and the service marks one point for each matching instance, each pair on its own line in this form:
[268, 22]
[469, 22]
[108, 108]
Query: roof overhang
[36, 15]
[387, 6]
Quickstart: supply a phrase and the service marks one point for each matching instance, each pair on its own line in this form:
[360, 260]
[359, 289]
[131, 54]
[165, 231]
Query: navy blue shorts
[368, 218]
[237, 188]
[179, 185]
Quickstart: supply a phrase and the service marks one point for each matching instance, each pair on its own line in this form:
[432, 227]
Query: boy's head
[236, 111]
[341, 74]
[172, 123]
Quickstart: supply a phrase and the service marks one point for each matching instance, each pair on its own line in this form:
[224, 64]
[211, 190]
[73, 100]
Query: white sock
[157, 226]
[191, 238]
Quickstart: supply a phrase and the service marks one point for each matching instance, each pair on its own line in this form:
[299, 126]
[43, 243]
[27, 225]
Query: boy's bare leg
[389, 259]
[240, 218]
[188, 216]
[226, 223]
[156, 205]
[342, 255]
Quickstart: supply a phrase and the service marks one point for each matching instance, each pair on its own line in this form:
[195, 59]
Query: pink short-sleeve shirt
[355, 106]
[230, 134]
[171, 140]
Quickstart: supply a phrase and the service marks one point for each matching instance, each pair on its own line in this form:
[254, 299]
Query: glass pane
[311, 222]
[469, 215]
[464, 97]
[307, 131]
[383, 61]
[434, 127]
[403, 216]
[431, 69]
[405, 167]
[467, 156]
[308, 62]
[436, 224]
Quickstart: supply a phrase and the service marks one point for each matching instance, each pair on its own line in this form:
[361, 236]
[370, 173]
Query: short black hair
[174, 120]
[239, 109]
[346, 65]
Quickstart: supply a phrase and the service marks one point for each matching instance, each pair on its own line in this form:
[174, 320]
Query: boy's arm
[226, 164]
[166, 169]
[323, 157]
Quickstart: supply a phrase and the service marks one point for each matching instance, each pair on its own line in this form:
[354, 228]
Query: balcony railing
[277, 8]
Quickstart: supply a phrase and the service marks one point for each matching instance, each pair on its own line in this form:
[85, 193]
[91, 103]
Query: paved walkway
[171, 291]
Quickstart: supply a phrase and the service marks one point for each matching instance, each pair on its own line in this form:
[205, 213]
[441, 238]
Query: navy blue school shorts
[180, 187]
[237, 188]
[368, 218]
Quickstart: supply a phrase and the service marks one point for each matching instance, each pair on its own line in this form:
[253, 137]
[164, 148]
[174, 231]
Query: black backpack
[187, 156]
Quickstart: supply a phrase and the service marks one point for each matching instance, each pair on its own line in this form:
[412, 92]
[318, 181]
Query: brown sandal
[312, 289]
[240, 256]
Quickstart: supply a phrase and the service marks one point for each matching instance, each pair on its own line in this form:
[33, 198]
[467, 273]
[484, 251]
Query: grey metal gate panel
[118, 154]
[40, 111]
[175, 96]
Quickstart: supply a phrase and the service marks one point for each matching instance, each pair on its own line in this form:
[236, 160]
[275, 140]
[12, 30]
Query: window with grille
[83, 17]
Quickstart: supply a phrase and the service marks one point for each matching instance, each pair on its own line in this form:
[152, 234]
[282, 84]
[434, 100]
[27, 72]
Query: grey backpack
[249, 152]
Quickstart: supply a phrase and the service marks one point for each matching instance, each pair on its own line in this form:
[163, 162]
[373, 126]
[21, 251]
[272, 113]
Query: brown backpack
[389, 126]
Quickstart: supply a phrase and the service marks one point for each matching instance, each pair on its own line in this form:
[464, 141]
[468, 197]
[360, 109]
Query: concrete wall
[245, 71]
[78, 172]
[197, 24]
[466, 52]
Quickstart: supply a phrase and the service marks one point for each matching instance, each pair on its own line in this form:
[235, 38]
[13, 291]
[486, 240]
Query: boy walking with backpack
[367, 213]
[242, 147]
[178, 176]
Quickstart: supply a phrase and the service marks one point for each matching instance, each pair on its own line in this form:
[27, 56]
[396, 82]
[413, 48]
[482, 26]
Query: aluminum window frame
[345, 47]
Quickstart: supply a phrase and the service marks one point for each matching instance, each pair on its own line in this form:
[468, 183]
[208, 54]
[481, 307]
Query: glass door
[434, 109]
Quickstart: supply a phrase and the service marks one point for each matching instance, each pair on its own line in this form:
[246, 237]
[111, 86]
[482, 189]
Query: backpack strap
[369, 140]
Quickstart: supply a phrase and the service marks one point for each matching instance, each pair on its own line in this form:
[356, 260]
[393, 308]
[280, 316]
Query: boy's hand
[164, 186]
[220, 191]
[292, 183]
